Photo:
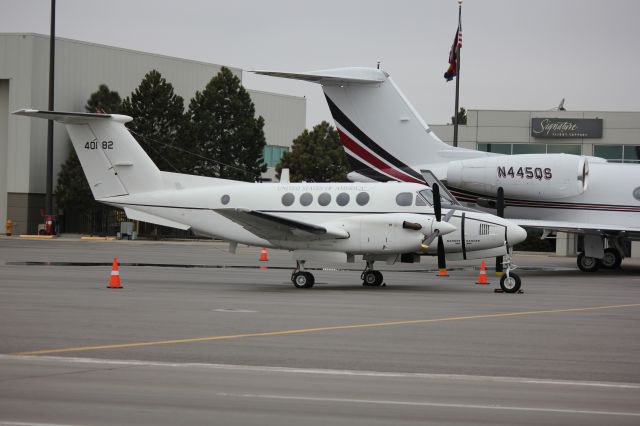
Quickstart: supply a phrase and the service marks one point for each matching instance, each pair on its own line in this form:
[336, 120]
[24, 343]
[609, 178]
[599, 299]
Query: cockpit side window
[425, 195]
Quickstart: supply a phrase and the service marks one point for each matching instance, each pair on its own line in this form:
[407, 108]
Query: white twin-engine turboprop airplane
[379, 221]
[385, 139]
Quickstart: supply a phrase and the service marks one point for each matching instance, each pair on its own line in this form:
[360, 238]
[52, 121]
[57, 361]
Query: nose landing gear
[510, 281]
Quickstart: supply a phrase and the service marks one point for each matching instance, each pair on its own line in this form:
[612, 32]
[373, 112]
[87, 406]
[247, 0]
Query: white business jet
[316, 221]
[385, 139]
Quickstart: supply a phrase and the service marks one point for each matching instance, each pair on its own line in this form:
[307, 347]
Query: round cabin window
[306, 199]
[342, 199]
[225, 199]
[362, 198]
[324, 199]
[288, 199]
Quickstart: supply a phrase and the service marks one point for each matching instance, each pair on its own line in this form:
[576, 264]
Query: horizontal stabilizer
[72, 117]
[146, 217]
[334, 77]
[272, 227]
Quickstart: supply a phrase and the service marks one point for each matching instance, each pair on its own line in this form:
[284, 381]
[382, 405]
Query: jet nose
[443, 227]
[515, 234]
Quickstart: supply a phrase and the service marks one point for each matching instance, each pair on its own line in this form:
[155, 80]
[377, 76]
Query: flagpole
[455, 115]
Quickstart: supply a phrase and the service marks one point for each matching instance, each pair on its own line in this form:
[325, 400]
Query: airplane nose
[444, 227]
[515, 234]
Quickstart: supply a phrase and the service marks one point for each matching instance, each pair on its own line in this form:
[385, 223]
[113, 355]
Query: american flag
[452, 71]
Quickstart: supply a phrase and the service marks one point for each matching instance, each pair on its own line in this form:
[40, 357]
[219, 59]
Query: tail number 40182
[95, 145]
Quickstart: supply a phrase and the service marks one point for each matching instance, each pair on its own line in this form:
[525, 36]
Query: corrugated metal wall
[80, 68]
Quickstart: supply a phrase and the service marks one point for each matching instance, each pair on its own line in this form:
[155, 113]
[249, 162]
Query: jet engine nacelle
[532, 176]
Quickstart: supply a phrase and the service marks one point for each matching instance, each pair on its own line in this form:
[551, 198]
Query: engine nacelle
[381, 233]
[532, 176]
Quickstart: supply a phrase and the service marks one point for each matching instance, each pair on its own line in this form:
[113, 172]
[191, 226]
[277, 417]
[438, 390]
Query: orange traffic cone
[482, 278]
[263, 255]
[114, 280]
[442, 272]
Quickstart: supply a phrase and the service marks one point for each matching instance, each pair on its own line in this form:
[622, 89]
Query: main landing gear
[371, 277]
[510, 281]
[301, 278]
[611, 260]
[587, 263]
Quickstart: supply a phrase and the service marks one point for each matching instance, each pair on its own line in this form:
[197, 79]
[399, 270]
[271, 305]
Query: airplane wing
[146, 217]
[274, 227]
[632, 232]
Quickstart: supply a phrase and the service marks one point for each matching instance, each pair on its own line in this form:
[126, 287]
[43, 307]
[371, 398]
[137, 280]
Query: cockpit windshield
[445, 196]
[427, 195]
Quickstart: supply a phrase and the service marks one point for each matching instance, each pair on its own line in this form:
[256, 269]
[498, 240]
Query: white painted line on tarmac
[432, 404]
[321, 371]
[7, 423]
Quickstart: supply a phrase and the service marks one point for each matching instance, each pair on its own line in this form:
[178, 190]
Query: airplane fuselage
[348, 206]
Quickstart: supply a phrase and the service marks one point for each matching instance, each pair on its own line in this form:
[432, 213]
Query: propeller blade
[448, 215]
[500, 213]
[500, 202]
[437, 206]
[437, 209]
[428, 239]
[442, 262]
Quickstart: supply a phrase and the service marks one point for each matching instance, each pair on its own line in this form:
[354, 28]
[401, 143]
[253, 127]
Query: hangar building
[80, 68]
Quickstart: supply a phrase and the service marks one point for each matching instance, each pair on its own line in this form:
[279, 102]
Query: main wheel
[372, 278]
[612, 259]
[303, 279]
[510, 284]
[587, 264]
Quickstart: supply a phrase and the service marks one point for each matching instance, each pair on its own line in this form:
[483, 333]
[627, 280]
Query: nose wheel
[510, 281]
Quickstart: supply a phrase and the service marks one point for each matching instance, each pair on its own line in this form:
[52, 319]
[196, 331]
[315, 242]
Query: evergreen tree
[225, 132]
[462, 117]
[158, 121]
[316, 156]
[73, 194]
[104, 100]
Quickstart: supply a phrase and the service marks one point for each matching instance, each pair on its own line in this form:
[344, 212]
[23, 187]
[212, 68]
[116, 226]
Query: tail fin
[380, 131]
[111, 158]
[382, 134]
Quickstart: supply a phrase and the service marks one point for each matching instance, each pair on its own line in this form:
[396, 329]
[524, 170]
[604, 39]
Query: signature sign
[566, 127]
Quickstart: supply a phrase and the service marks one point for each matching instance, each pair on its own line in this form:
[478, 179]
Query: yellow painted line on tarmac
[320, 329]
[98, 238]
[40, 237]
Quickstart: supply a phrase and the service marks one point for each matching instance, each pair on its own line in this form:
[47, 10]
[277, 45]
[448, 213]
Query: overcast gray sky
[516, 54]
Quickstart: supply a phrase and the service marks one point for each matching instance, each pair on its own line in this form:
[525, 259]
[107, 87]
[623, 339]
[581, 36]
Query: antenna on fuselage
[284, 176]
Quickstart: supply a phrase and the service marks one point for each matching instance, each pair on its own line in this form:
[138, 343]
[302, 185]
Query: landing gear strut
[301, 278]
[510, 281]
[371, 277]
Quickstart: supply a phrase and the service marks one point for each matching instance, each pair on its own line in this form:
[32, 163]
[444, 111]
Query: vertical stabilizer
[111, 158]
[382, 134]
